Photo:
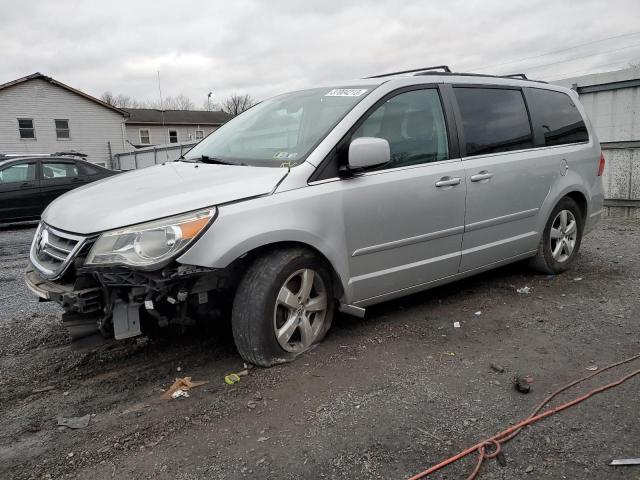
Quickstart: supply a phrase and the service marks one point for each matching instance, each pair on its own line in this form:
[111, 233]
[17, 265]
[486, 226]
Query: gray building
[147, 127]
[612, 101]
[41, 115]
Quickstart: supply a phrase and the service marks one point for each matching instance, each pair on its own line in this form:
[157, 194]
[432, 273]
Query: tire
[271, 321]
[553, 257]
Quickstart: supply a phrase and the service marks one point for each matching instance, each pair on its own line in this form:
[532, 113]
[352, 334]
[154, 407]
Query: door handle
[448, 182]
[483, 175]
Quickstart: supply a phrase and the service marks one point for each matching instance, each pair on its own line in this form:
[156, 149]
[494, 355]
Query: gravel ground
[15, 299]
[383, 397]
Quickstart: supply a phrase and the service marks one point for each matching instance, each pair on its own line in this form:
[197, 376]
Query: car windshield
[281, 131]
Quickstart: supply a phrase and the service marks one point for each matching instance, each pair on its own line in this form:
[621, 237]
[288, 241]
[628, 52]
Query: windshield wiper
[208, 159]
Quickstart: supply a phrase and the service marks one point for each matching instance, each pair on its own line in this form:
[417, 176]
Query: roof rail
[515, 75]
[70, 153]
[444, 68]
[17, 155]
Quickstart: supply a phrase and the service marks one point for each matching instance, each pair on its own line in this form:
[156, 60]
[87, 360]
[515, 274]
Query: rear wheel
[283, 307]
[561, 238]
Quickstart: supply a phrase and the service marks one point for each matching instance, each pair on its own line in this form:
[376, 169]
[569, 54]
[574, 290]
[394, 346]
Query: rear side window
[493, 120]
[557, 117]
[59, 170]
[89, 169]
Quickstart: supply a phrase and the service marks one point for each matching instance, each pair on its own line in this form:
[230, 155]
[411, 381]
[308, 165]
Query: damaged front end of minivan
[126, 282]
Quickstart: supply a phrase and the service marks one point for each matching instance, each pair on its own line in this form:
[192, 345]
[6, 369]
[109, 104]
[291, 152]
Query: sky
[270, 47]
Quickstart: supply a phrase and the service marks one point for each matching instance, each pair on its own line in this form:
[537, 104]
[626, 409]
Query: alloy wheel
[300, 311]
[563, 236]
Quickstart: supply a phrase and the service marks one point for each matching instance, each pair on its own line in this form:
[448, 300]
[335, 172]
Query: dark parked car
[29, 183]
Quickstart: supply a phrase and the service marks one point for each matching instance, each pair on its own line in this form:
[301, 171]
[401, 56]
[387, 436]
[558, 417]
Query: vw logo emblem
[44, 240]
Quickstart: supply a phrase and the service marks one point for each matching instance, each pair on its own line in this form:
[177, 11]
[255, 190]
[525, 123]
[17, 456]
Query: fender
[310, 216]
[572, 182]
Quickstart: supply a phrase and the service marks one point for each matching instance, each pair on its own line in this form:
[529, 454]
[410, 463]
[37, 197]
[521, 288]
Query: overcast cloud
[264, 48]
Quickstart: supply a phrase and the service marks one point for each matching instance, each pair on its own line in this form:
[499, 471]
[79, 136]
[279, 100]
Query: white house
[146, 126]
[41, 115]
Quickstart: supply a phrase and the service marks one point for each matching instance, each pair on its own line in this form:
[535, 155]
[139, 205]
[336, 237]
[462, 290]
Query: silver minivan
[336, 197]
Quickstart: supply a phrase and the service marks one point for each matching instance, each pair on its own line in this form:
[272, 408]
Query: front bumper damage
[122, 303]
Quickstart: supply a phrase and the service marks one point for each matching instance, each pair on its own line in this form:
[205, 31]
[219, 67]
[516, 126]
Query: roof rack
[444, 68]
[70, 153]
[447, 71]
[515, 75]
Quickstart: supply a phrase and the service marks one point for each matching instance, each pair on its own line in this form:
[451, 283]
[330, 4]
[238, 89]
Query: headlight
[149, 244]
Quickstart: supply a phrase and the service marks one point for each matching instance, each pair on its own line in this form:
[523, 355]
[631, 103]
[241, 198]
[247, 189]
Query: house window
[199, 134]
[144, 136]
[25, 126]
[62, 129]
[173, 136]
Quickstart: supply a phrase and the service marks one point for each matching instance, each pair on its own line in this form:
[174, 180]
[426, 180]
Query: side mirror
[368, 152]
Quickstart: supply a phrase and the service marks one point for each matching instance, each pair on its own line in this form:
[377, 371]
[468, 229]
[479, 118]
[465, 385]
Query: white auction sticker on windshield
[346, 92]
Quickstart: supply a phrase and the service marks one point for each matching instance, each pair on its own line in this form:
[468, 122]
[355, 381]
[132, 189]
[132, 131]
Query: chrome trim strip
[408, 241]
[49, 250]
[433, 283]
[484, 246]
[595, 214]
[400, 268]
[498, 220]
[66, 251]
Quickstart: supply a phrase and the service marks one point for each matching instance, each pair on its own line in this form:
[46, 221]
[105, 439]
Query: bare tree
[125, 101]
[184, 103]
[108, 98]
[209, 106]
[180, 102]
[120, 101]
[236, 104]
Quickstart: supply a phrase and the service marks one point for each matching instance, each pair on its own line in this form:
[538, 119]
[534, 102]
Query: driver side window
[413, 124]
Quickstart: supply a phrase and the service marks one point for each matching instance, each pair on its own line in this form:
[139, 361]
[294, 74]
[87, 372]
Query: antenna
[166, 152]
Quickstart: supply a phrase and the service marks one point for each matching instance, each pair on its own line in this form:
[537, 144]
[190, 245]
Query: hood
[156, 192]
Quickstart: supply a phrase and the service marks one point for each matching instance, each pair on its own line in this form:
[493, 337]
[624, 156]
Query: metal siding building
[94, 128]
[612, 102]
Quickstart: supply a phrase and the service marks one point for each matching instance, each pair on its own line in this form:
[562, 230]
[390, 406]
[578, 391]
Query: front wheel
[283, 307]
[561, 238]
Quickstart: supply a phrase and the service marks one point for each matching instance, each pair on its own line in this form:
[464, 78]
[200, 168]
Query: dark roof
[173, 117]
[40, 76]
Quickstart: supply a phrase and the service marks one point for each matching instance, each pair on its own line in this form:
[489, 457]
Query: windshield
[281, 131]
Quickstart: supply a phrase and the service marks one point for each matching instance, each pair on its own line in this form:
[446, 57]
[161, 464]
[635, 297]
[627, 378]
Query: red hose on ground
[498, 439]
